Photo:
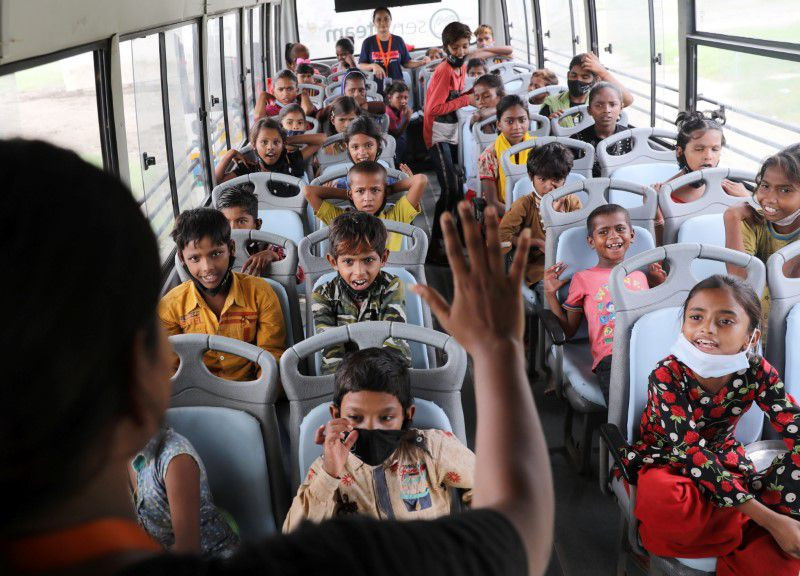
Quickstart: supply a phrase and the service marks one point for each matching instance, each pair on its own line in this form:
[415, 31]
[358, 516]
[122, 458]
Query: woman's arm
[183, 494]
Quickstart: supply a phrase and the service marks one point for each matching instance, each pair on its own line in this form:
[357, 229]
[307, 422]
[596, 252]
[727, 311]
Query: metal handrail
[753, 115]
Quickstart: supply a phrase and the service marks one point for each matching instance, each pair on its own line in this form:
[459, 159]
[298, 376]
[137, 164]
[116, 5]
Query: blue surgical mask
[295, 132]
[708, 365]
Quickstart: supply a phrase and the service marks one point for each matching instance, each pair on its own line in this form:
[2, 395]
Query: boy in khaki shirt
[373, 462]
[548, 166]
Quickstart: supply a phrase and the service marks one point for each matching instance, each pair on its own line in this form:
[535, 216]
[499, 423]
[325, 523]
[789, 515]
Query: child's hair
[597, 88]
[342, 105]
[194, 225]
[688, 124]
[285, 73]
[374, 370]
[550, 161]
[368, 127]
[549, 76]
[346, 44]
[492, 81]
[351, 74]
[603, 210]
[509, 101]
[432, 50]
[396, 87]
[787, 160]
[741, 291]
[475, 63]
[266, 123]
[483, 28]
[239, 196]
[366, 167]
[353, 231]
[453, 32]
[292, 108]
[577, 60]
[305, 68]
[381, 9]
[291, 51]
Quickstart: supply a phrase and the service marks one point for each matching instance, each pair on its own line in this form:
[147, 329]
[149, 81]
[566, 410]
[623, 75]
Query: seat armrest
[618, 447]
[552, 326]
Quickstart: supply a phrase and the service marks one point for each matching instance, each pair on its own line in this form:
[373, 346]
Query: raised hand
[258, 263]
[552, 278]
[337, 438]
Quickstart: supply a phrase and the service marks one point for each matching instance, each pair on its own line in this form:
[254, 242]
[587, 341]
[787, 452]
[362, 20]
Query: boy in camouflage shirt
[361, 291]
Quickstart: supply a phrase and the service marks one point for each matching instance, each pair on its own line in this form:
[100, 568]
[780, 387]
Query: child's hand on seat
[656, 274]
[337, 438]
[487, 309]
[556, 114]
[552, 278]
[258, 263]
[735, 188]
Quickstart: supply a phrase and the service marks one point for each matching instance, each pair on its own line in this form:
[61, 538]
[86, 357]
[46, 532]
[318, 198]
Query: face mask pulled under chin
[789, 219]
[577, 88]
[223, 284]
[708, 365]
[456, 61]
[374, 447]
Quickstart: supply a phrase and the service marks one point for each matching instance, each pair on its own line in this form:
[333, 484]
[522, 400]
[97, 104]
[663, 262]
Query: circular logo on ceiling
[440, 19]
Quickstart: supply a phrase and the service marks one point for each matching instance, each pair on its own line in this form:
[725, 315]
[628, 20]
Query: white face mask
[788, 220]
[708, 365]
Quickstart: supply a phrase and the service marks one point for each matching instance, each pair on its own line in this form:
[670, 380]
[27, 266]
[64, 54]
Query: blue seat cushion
[706, 229]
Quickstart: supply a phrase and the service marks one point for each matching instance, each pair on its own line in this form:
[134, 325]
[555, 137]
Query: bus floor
[587, 522]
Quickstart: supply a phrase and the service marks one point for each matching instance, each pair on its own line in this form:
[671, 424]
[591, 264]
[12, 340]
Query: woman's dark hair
[293, 108]
[266, 123]
[492, 81]
[788, 160]
[285, 73]
[346, 44]
[239, 196]
[71, 324]
[453, 32]
[340, 106]
[291, 50]
[509, 101]
[375, 370]
[305, 68]
[741, 291]
[693, 125]
[396, 87]
[476, 63]
[380, 9]
[367, 126]
[198, 223]
[550, 161]
[353, 230]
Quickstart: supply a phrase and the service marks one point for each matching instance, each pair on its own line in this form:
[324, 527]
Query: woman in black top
[605, 106]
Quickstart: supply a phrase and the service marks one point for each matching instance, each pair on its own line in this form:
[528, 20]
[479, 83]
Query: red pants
[678, 521]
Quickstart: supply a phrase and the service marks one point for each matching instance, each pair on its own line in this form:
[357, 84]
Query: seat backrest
[194, 386]
[557, 129]
[714, 200]
[267, 200]
[314, 125]
[441, 385]
[423, 78]
[596, 189]
[515, 172]
[635, 353]
[427, 415]
[709, 230]
[784, 318]
[643, 150]
[317, 93]
[326, 160]
[410, 83]
[546, 90]
[524, 186]
[511, 67]
[335, 88]
[647, 174]
[516, 83]
[337, 76]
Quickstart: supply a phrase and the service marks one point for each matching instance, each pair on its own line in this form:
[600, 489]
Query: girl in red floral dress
[698, 493]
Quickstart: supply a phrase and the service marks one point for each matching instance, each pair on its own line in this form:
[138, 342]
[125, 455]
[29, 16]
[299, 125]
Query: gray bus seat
[326, 160]
[647, 174]
[784, 318]
[643, 151]
[714, 200]
[258, 507]
[337, 76]
[319, 93]
[441, 384]
[314, 125]
[524, 186]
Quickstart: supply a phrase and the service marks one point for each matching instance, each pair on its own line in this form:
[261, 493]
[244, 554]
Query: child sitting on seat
[354, 85]
[345, 51]
[361, 291]
[539, 79]
[342, 112]
[698, 493]
[548, 166]
[271, 144]
[305, 74]
[173, 500]
[476, 67]
[285, 93]
[487, 92]
[293, 120]
[513, 122]
[399, 113]
[610, 235]
[218, 301]
[605, 107]
[374, 463]
[368, 192]
[764, 232]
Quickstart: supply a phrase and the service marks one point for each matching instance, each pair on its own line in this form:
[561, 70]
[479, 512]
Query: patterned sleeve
[174, 445]
[779, 406]
[455, 463]
[324, 310]
[393, 309]
[315, 500]
[669, 405]
[488, 168]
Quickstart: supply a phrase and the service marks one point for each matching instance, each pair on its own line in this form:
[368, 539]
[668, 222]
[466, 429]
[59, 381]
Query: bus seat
[410, 84]
[516, 172]
[707, 229]
[524, 186]
[784, 318]
[267, 199]
[337, 76]
[243, 451]
[314, 125]
[326, 160]
[546, 90]
[580, 119]
[317, 95]
[441, 385]
[423, 78]
[427, 415]
[714, 200]
[643, 151]
[284, 223]
[646, 174]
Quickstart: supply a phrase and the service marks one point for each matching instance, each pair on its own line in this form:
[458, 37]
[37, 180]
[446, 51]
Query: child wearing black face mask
[217, 300]
[373, 462]
[585, 71]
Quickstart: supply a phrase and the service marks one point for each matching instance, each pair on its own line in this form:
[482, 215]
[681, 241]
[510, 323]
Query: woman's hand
[337, 438]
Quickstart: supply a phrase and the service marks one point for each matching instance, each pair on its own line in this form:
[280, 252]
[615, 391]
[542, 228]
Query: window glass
[668, 71]
[778, 20]
[419, 25]
[623, 30]
[258, 54]
[762, 116]
[233, 84]
[144, 129]
[183, 79]
[579, 26]
[521, 36]
[247, 61]
[56, 102]
[216, 114]
[557, 31]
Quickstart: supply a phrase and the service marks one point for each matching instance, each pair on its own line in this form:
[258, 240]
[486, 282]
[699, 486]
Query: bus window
[522, 34]
[183, 81]
[737, 18]
[218, 140]
[419, 25]
[56, 102]
[144, 129]
[233, 87]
